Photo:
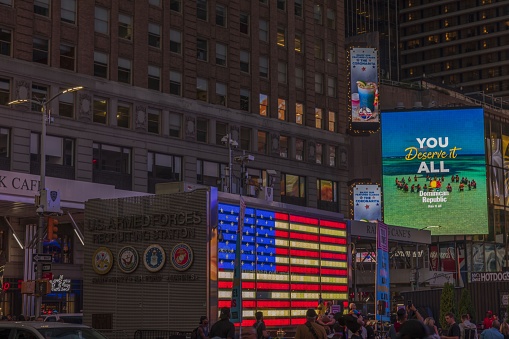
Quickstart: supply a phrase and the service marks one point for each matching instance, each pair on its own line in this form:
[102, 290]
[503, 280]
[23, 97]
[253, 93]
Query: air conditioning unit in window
[266, 193]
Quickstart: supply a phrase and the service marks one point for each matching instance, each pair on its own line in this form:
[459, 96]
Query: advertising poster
[365, 108]
[383, 311]
[434, 171]
[367, 203]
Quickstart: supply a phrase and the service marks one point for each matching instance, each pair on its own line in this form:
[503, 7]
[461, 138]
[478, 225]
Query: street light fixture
[41, 201]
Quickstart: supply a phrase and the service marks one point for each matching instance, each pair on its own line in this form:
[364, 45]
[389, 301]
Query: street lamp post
[42, 209]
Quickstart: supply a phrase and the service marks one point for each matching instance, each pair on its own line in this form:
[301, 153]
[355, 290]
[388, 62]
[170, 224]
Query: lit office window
[264, 105]
[298, 42]
[281, 109]
[281, 36]
[299, 113]
[332, 121]
[318, 118]
[100, 111]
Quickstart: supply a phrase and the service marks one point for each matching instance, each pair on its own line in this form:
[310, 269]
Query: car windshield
[70, 333]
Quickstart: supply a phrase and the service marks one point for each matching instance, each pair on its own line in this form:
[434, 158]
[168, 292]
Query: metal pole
[42, 187]
[230, 188]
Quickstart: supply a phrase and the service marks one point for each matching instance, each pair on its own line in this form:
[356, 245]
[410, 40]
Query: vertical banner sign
[236, 308]
[365, 108]
[367, 203]
[383, 312]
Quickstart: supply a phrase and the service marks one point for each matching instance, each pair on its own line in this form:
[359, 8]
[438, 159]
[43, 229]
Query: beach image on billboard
[434, 170]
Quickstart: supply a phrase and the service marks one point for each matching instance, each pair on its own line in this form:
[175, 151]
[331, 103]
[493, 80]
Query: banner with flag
[236, 306]
[383, 299]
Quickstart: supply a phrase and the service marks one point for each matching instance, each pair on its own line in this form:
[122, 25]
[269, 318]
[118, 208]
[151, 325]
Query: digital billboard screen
[434, 170]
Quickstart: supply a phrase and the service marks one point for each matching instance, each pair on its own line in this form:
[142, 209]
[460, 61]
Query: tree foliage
[447, 303]
[465, 304]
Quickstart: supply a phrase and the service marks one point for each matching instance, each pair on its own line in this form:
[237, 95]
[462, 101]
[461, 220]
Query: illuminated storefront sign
[367, 204]
[288, 262]
[434, 170]
[60, 284]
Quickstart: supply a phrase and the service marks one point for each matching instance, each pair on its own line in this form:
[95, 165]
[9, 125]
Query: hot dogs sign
[434, 170]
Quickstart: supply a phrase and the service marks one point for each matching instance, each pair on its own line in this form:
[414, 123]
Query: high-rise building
[174, 91]
[459, 43]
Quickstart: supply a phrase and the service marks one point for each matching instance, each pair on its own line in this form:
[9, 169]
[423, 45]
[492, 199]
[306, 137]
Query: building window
[154, 35]
[298, 8]
[4, 143]
[264, 66]
[331, 52]
[264, 105]
[318, 118]
[327, 190]
[175, 41]
[101, 65]
[66, 105]
[281, 109]
[299, 77]
[39, 94]
[100, 114]
[221, 54]
[58, 151]
[156, 3]
[67, 57]
[201, 9]
[244, 99]
[41, 7]
[202, 128]
[299, 149]
[201, 49]
[125, 26]
[123, 115]
[263, 32]
[319, 153]
[281, 72]
[153, 120]
[293, 186]
[202, 89]
[5, 91]
[175, 83]
[298, 42]
[111, 158]
[40, 51]
[245, 138]
[244, 61]
[332, 156]
[281, 36]
[318, 14]
[263, 138]
[281, 4]
[221, 93]
[176, 5]
[332, 121]
[319, 83]
[5, 41]
[164, 166]
[154, 78]
[209, 173]
[68, 11]
[319, 48]
[331, 18]
[221, 15]
[221, 130]
[124, 70]
[175, 125]
[283, 146]
[299, 113]
[101, 20]
[331, 87]
[244, 23]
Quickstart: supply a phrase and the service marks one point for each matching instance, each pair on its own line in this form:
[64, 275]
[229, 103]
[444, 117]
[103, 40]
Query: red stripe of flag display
[287, 262]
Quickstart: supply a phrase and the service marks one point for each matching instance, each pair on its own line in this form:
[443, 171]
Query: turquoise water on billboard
[463, 212]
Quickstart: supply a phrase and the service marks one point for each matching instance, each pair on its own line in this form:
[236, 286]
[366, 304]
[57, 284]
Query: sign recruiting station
[434, 170]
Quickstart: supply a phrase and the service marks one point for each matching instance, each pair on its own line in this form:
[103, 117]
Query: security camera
[224, 140]
[250, 157]
[234, 143]
[271, 172]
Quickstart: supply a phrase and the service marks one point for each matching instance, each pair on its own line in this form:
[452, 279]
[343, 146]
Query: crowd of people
[21, 317]
[409, 324]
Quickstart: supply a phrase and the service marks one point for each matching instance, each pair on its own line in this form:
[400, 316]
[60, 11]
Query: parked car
[73, 318]
[46, 330]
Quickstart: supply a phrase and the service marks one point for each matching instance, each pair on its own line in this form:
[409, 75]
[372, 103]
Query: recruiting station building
[162, 261]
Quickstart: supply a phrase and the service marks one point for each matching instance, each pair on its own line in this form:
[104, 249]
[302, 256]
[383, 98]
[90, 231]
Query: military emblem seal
[102, 260]
[154, 258]
[128, 259]
[181, 257]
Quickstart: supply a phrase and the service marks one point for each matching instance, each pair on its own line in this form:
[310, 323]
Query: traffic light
[52, 228]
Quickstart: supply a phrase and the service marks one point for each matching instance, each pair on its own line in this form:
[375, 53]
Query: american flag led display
[288, 261]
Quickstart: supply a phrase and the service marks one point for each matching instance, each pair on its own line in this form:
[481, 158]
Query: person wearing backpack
[259, 325]
[310, 329]
[468, 330]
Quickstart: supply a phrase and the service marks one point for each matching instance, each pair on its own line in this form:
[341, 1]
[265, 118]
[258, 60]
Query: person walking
[454, 331]
[310, 329]
[492, 332]
[259, 325]
[223, 328]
